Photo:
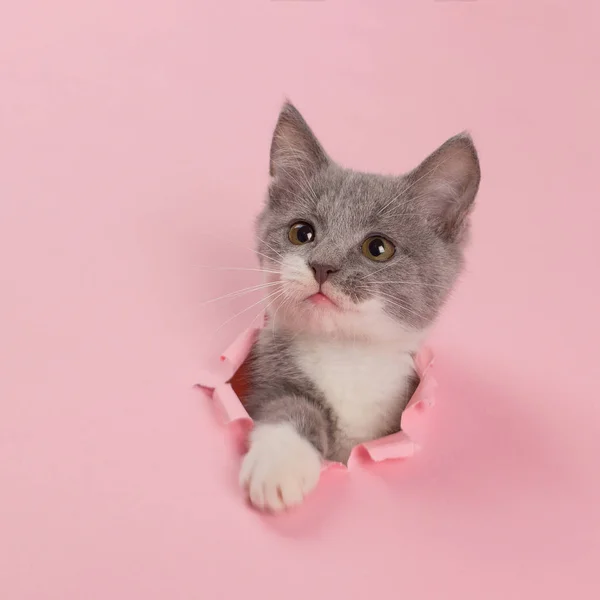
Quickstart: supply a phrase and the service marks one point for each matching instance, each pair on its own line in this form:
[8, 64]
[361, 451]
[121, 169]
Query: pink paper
[399, 445]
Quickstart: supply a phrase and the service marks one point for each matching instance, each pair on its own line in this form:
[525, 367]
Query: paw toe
[291, 492]
[273, 499]
[256, 493]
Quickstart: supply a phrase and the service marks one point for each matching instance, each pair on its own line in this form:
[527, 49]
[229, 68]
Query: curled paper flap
[398, 445]
[237, 353]
[229, 362]
[231, 407]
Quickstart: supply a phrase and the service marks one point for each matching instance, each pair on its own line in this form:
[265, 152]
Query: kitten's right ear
[294, 149]
[445, 185]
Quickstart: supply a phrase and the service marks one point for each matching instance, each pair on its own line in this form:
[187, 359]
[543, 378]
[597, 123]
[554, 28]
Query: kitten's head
[361, 255]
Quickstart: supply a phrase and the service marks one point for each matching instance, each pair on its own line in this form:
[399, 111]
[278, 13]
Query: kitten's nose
[322, 272]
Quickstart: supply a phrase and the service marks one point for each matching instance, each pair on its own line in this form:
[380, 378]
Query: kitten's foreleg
[286, 448]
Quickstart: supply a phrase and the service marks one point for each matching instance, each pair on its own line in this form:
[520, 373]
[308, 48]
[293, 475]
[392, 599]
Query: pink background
[133, 150]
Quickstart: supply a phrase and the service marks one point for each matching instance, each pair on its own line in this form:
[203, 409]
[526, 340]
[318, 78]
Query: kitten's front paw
[280, 468]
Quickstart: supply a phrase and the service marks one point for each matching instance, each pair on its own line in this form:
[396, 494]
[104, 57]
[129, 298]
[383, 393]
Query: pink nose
[322, 272]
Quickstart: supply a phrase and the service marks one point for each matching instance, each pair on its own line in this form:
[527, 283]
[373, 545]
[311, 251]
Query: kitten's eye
[301, 233]
[378, 248]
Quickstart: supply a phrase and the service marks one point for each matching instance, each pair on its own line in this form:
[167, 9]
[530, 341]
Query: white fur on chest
[362, 383]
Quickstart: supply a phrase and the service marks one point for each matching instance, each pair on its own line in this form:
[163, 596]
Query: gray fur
[425, 213]
[281, 392]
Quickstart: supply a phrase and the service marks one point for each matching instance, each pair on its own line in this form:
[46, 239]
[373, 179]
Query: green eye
[378, 248]
[301, 233]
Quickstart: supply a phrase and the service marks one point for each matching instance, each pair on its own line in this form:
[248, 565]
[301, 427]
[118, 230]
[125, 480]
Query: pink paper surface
[399, 445]
[134, 140]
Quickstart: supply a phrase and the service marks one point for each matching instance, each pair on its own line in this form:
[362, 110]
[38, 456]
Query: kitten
[361, 265]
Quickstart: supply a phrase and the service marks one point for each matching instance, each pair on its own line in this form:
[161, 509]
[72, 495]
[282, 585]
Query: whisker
[268, 257]
[253, 250]
[400, 301]
[264, 310]
[269, 246]
[409, 283]
[378, 271]
[241, 292]
[211, 268]
[383, 208]
[278, 292]
[286, 299]
[395, 302]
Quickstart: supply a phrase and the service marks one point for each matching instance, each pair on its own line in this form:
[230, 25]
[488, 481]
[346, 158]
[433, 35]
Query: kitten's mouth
[321, 299]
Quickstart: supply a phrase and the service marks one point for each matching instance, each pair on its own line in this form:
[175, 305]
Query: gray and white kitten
[361, 265]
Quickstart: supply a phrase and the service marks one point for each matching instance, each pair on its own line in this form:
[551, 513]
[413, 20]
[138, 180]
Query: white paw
[280, 468]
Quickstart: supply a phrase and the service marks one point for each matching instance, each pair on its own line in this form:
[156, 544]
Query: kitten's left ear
[445, 185]
[294, 149]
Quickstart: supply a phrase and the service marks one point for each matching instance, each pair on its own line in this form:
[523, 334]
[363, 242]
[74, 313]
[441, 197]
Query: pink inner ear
[294, 147]
[446, 183]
